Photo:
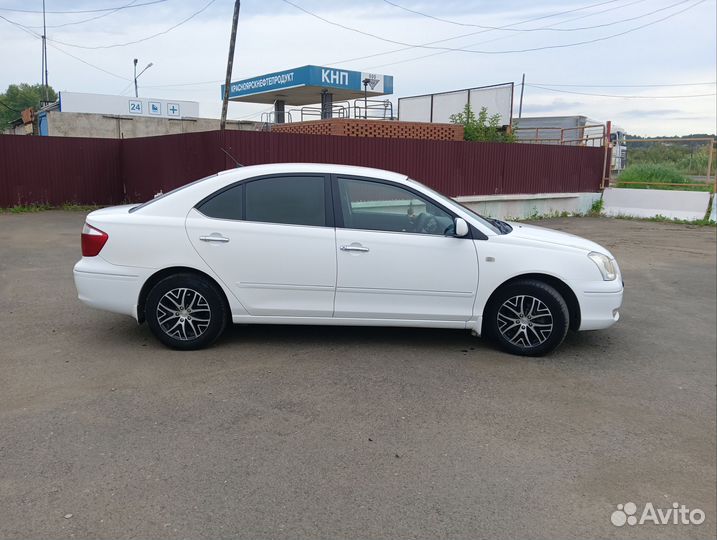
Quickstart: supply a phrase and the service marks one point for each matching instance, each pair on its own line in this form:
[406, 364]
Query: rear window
[163, 195]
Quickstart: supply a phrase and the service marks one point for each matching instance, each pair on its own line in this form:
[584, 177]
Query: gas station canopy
[305, 86]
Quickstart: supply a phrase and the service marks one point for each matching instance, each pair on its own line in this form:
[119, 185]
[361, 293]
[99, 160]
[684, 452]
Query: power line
[38, 36]
[200, 83]
[458, 49]
[501, 37]
[618, 96]
[540, 29]
[537, 48]
[94, 18]
[625, 85]
[88, 63]
[180, 23]
[114, 45]
[8, 107]
[83, 10]
[533, 19]
[126, 88]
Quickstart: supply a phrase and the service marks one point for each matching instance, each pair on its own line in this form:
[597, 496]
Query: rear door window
[292, 200]
[227, 204]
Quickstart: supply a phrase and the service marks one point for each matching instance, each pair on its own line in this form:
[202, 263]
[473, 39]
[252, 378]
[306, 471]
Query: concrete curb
[647, 203]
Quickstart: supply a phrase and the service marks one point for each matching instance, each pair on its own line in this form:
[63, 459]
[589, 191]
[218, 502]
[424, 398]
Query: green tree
[21, 96]
[482, 127]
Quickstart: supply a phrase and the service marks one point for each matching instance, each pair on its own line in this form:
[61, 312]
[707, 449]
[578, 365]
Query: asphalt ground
[316, 432]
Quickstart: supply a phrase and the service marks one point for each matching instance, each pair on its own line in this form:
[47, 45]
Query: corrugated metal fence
[57, 170]
[104, 171]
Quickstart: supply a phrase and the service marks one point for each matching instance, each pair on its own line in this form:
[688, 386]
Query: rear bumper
[107, 286]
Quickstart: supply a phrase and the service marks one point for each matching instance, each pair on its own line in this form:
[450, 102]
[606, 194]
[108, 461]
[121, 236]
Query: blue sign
[323, 77]
[155, 107]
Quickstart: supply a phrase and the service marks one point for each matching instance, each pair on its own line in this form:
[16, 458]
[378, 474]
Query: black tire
[186, 327]
[534, 329]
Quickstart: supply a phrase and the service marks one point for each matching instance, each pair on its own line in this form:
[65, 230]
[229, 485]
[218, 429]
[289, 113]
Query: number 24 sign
[135, 106]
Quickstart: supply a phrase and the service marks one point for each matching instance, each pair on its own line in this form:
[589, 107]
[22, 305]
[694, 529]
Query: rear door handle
[354, 248]
[214, 238]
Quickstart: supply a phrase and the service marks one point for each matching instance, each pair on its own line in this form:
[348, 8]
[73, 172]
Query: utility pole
[44, 52]
[522, 87]
[230, 64]
[136, 91]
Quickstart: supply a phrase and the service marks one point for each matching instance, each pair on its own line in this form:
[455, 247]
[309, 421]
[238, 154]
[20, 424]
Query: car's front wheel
[186, 311]
[527, 317]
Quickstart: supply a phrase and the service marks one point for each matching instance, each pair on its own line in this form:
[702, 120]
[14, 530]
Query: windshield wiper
[502, 226]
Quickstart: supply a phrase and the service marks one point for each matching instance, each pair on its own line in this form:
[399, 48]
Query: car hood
[549, 236]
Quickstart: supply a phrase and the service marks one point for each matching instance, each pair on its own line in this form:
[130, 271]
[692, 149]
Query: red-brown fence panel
[153, 164]
[58, 170]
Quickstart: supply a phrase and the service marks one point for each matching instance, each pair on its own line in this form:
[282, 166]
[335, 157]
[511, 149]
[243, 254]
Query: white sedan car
[301, 243]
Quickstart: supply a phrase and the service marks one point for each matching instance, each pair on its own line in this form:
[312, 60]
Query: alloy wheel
[525, 321]
[183, 314]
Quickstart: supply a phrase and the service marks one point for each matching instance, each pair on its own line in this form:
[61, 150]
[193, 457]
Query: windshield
[487, 222]
[163, 195]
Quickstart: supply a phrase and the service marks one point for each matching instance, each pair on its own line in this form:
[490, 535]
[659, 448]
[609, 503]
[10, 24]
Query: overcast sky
[274, 35]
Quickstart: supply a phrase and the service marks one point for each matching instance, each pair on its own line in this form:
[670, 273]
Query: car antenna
[233, 159]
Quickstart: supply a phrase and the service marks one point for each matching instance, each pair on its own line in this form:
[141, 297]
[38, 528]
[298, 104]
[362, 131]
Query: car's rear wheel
[186, 311]
[527, 317]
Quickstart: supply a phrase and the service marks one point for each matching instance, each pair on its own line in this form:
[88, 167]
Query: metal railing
[587, 135]
[673, 160]
[376, 109]
[311, 112]
[368, 109]
[269, 117]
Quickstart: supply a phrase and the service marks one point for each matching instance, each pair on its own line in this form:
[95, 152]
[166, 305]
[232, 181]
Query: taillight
[93, 240]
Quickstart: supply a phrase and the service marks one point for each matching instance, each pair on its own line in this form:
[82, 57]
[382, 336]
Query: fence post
[709, 166]
[605, 164]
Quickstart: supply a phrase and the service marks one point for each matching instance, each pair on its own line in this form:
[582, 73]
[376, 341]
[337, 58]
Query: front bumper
[600, 305]
[107, 286]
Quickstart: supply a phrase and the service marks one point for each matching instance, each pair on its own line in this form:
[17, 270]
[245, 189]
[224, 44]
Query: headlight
[605, 264]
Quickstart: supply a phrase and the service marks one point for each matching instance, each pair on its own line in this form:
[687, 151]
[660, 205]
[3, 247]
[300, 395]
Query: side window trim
[338, 210]
[329, 213]
[336, 199]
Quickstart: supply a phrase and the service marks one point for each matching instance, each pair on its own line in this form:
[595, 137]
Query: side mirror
[461, 227]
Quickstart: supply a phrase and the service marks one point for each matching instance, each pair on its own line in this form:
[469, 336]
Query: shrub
[597, 207]
[482, 127]
[654, 176]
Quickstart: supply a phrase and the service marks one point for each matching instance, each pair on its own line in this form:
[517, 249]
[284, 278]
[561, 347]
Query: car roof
[188, 195]
[324, 168]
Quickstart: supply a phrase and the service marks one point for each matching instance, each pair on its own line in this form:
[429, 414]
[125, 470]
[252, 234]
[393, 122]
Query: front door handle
[214, 238]
[353, 247]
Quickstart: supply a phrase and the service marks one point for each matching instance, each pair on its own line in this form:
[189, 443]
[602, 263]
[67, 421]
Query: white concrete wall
[67, 124]
[524, 206]
[506, 206]
[646, 203]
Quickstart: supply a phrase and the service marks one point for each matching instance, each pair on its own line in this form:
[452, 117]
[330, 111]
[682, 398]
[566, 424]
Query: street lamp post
[365, 82]
[136, 75]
